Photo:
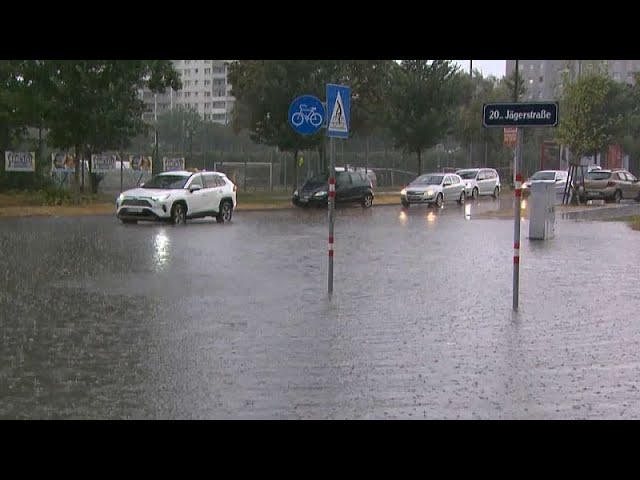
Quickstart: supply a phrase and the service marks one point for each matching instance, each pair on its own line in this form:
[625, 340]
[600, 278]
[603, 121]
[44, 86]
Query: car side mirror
[194, 188]
[142, 184]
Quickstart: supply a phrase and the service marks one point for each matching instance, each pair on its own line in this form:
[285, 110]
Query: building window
[195, 94]
[196, 70]
[207, 105]
[187, 94]
[207, 61]
[207, 94]
[187, 62]
[187, 83]
[541, 79]
[207, 83]
[539, 94]
[207, 71]
[187, 71]
[218, 104]
[218, 70]
[179, 94]
[531, 67]
[207, 116]
[616, 76]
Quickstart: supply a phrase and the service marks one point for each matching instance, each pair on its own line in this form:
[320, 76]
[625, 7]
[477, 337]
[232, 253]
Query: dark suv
[351, 187]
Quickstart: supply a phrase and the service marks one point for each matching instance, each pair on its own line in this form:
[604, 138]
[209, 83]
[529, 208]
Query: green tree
[96, 105]
[588, 121]
[424, 102]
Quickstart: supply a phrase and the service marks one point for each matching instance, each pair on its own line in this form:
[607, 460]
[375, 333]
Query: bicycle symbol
[306, 114]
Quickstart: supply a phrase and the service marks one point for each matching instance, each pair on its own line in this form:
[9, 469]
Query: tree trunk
[295, 168]
[76, 175]
[419, 162]
[366, 155]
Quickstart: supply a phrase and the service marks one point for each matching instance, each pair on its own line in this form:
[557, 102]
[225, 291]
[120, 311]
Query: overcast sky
[487, 67]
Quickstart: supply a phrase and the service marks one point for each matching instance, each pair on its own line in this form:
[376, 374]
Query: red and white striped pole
[516, 222]
[332, 205]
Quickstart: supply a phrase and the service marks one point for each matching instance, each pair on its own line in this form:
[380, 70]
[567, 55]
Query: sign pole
[517, 221]
[332, 206]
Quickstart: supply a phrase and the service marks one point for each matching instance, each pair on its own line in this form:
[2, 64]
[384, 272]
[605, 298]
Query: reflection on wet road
[102, 320]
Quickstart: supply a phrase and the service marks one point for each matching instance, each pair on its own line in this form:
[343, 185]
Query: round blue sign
[306, 115]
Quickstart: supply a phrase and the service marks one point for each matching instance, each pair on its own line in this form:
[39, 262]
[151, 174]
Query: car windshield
[468, 174]
[428, 180]
[544, 176]
[167, 182]
[597, 175]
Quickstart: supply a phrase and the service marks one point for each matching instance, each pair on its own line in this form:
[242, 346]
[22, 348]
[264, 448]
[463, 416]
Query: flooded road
[102, 320]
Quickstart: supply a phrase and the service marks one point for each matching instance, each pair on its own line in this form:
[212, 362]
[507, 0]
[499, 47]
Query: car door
[492, 181]
[633, 186]
[561, 182]
[213, 185]
[343, 187]
[357, 185]
[481, 182]
[458, 187]
[447, 188]
[197, 199]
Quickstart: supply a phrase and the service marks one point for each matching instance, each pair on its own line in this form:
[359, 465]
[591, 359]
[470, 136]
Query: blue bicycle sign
[306, 115]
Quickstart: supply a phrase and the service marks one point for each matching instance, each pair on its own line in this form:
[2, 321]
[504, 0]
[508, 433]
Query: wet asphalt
[210, 321]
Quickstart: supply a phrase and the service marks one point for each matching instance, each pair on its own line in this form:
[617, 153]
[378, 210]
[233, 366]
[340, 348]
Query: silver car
[434, 188]
[480, 181]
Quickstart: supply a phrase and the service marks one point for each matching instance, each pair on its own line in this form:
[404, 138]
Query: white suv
[178, 196]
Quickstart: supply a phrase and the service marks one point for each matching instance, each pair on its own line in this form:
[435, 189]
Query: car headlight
[160, 198]
[403, 191]
[429, 193]
[120, 197]
[319, 194]
[295, 192]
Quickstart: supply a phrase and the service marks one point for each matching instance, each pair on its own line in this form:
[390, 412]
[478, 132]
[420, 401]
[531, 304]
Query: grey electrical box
[542, 214]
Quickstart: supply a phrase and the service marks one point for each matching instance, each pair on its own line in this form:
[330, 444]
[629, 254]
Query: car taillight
[611, 184]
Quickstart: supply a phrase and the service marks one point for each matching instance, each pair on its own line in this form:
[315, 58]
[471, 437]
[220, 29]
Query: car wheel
[439, 200]
[225, 213]
[367, 201]
[496, 192]
[474, 194]
[405, 204]
[128, 221]
[178, 214]
[617, 196]
[463, 198]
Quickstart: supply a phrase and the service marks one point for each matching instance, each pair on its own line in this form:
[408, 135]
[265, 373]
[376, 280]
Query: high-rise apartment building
[205, 89]
[544, 78]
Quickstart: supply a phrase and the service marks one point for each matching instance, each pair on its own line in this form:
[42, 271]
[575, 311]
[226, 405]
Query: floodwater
[103, 320]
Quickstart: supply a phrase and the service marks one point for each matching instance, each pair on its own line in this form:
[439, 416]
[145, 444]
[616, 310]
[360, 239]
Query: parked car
[480, 181]
[434, 188]
[351, 187]
[609, 185]
[178, 196]
[558, 177]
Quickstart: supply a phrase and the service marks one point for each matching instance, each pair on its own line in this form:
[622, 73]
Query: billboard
[63, 162]
[19, 161]
[172, 164]
[140, 163]
[103, 163]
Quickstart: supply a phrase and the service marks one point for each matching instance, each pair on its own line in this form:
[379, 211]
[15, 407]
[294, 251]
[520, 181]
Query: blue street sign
[338, 110]
[530, 114]
[306, 115]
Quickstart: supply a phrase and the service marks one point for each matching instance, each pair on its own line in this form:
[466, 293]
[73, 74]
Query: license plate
[135, 209]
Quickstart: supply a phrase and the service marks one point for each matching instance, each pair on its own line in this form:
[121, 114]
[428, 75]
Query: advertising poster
[19, 161]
